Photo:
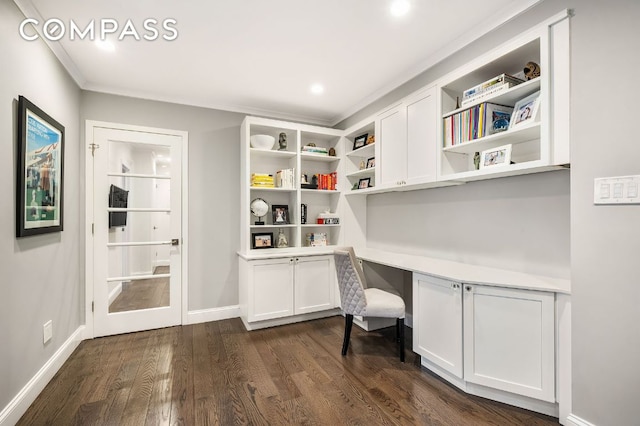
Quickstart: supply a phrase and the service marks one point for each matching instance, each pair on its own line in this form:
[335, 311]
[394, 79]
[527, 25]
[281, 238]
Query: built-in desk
[463, 272]
[492, 332]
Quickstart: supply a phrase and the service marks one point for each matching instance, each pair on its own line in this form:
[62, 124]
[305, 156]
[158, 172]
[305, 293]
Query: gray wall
[519, 223]
[214, 186]
[604, 240]
[41, 275]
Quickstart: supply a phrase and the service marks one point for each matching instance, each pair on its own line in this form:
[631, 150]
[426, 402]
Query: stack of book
[327, 181]
[262, 180]
[285, 178]
[476, 122]
[489, 88]
[316, 239]
[318, 150]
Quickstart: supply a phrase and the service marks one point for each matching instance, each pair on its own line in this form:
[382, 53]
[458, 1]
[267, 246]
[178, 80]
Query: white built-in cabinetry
[279, 285]
[283, 289]
[407, 142]
[499, 338]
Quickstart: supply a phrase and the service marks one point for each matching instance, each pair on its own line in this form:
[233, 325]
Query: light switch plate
[617, 190]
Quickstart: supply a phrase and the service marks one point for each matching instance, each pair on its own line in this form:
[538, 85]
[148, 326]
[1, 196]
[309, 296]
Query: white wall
[41, 275]
[214, 188]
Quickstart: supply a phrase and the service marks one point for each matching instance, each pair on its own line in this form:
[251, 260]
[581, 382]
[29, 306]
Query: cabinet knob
[468, 288]
[291, 260]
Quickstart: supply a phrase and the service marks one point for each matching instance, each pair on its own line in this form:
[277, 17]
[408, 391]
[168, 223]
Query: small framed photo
[360, 141]
[371, 162]
[40, 171]
[262, 240]
[500, 156]
[364, 183]
[280, 214]
[525, 110]
[371, 139]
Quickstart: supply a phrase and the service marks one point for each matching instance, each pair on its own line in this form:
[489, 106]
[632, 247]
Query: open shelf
[517, 135]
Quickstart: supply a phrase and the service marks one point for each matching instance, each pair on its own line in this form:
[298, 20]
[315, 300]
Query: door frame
[90, 125]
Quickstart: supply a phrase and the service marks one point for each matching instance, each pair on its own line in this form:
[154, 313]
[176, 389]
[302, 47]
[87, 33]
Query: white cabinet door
[270, 289]
[391, 140]
[437, 322]
[314, 284]
[421, 137]
[509, 340]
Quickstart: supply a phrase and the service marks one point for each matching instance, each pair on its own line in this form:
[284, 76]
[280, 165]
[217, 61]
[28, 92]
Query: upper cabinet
[506, 128]
[408, 141]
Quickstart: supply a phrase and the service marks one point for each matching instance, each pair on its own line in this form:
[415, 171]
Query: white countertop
[465, 273]
[275, 253]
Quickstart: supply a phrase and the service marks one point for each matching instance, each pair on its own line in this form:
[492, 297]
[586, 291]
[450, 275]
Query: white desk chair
[357, 299]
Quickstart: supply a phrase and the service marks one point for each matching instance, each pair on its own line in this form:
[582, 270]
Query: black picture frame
[280, 214]
[40, 171]
[262, 240]
[371, 162]
[360, 141]
[364, 183]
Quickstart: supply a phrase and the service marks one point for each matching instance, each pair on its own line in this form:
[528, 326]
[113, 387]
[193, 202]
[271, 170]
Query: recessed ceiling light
[400, 7]
[105, 45]
[317, 89]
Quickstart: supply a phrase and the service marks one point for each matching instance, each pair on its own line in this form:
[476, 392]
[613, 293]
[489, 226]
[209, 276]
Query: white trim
[115, 293]
[213, 314]
[21, 402]
[89, 332]
[573, 420]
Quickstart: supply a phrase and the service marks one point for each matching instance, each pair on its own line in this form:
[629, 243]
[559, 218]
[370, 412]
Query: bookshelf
[539, 145]
[293, 157]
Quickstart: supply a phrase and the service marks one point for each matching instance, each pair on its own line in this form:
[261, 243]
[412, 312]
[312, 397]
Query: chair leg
[347, 333]
[400, 328]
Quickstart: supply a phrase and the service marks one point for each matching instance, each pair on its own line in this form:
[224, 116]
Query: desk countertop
[465, 273]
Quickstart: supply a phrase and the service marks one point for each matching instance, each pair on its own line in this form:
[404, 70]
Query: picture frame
[360, 141]
[525, 111]
[496, 157]
[40, 171]
[371, 139]
[280, 214]
[371, 162]
[262, 240]
[364, 183]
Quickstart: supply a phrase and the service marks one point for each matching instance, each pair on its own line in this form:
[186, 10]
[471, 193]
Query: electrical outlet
[47, 331]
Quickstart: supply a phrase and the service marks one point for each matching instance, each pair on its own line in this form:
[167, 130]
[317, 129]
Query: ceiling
[262, 56]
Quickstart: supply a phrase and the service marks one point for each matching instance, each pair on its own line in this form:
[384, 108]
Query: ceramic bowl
[262, 141]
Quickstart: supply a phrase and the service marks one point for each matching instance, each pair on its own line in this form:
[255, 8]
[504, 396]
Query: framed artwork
[525, 110]
[371, 139]
[371, 162]
[40, 171]
[364, 183]
[262, 240]
[499, 156]
[280, 214]
[360, 141]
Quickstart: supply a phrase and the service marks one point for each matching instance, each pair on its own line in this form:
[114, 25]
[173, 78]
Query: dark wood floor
[143, 294]
[218, 373]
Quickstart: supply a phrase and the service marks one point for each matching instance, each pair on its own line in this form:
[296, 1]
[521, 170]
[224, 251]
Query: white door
[143, 296]
[392, 144]
[509, 340]
[314, 284]
[437, 322]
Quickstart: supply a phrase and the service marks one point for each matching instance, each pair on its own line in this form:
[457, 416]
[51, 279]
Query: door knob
[175, 242]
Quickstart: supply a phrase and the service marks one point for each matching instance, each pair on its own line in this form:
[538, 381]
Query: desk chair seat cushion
[383, 304]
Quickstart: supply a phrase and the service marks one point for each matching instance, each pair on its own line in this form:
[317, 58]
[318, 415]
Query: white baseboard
[20, 403]
[213, 314]
[115, 293]
[573, 420]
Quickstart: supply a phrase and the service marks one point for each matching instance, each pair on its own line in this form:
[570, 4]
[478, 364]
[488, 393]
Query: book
[476, 122]
[486, 85]
[494, 90]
